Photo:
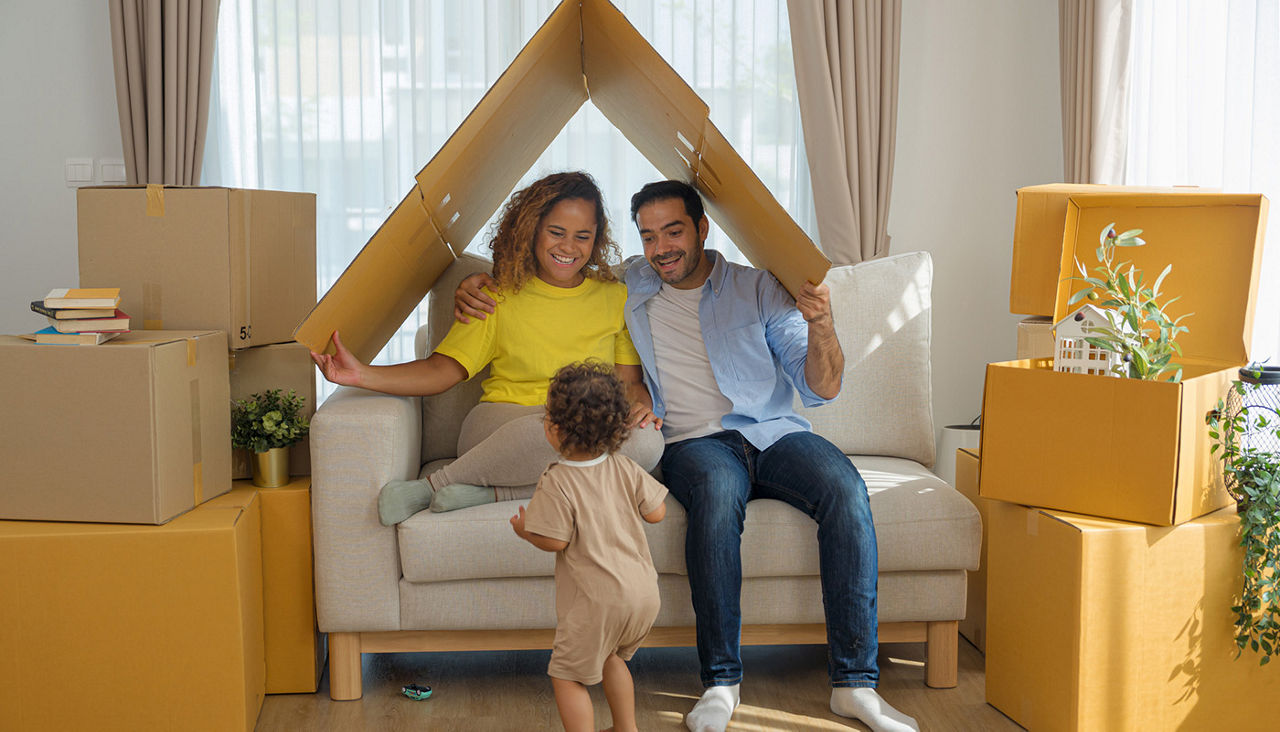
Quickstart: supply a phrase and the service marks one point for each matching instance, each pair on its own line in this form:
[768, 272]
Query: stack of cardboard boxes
[145, 588]
[1112, 555]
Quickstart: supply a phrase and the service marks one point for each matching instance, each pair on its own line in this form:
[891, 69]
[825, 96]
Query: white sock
[866, 706]
[712, 712]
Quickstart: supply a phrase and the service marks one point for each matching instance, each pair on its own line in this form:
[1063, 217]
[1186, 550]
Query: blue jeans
[713, 477]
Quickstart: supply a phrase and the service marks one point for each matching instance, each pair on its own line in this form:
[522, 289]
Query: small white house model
[1073, 354]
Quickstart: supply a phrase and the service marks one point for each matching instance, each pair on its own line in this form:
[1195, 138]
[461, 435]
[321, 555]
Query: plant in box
[1138, 328]
[267, 424]
[1246, 432]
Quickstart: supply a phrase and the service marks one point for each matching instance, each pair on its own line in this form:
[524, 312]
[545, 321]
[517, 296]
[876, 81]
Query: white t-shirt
[693, 399]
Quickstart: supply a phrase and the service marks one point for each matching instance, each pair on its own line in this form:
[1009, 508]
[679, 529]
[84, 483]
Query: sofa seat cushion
[922, 524]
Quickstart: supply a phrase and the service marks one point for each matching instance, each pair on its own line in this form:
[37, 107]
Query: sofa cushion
[882, 313]
[921, 524]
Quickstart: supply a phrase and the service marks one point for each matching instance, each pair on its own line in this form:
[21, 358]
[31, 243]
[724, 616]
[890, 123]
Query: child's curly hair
[588, 405]
[516, 230]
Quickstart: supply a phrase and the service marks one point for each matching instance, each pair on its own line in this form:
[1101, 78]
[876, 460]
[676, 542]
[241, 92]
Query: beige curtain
[1094, 47]
[846, 60]
[163, 53]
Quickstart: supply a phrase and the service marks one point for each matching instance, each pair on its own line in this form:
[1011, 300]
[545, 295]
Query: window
[350, 100]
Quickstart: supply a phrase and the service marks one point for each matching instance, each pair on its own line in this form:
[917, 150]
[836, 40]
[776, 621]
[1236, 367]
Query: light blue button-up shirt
[756, 340]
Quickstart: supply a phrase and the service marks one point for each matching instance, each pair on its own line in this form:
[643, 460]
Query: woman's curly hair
[588, 405]
[516, 230]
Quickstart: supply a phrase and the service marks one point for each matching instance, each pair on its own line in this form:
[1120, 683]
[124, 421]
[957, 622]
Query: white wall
[978, 117]
[57, 101]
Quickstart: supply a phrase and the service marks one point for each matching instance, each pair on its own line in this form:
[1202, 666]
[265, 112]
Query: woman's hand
[470, 299]
[342, 367]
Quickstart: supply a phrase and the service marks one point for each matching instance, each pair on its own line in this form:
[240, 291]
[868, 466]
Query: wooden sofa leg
[344, 667]
[943, 655]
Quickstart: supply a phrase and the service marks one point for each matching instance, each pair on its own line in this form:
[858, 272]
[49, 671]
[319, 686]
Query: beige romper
[606, 586]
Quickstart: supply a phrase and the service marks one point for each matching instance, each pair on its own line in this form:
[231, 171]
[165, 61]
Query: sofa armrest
[359, 441]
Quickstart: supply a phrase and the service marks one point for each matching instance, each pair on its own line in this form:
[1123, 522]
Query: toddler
[587, 509]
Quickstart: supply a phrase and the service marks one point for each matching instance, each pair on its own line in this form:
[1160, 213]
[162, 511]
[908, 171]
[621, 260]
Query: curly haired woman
[559, 302]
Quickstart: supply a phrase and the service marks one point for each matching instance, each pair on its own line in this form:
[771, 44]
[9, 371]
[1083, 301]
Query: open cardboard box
[585, 50]
[1124, 448]
[1037, 240]
[1103, 625]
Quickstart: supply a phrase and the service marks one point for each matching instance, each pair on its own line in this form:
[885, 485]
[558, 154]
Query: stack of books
[82, 316]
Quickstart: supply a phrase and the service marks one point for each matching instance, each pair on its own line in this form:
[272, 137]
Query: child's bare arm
[545, 543]
[656, 514]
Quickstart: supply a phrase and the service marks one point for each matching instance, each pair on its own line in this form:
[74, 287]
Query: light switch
[79, 172]
[112, 171]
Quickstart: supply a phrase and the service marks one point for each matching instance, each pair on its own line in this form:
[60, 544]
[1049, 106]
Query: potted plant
[1246, 434]
[267, 424]
[1138, 329]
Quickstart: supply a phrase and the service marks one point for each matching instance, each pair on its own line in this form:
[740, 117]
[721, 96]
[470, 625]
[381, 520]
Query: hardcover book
[71, 313]
[119, 322]
[49, 336]
[83, 297]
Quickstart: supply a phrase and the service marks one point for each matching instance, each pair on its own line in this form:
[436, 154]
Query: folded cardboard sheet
[112, 627]
[135, 430]
[1124, 448]
[585, 51]
[1103, 625]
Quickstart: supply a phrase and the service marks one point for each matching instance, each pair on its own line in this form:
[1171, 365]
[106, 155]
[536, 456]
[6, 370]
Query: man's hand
[824, 360]
[342, 367]
[814, 302]
[642, 416]
[470, 299]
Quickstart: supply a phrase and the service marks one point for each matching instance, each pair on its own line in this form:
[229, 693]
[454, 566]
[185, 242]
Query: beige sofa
[464, 581]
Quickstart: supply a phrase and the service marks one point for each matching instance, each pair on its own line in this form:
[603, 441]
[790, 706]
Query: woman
[558, 302]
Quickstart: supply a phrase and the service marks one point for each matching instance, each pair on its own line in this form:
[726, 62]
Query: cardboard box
[1035, 337]
[283, 366]
[585, 50]
[135, 430]
[109, 627]
[295, 649]
[1038, 238]
[974, 625]
[241, 261]
[1124, 448]
[1102, 625]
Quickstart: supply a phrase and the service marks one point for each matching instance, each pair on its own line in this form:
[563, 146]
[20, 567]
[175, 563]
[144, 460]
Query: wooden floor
[785, 689]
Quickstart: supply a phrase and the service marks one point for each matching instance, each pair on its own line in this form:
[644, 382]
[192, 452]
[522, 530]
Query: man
[722, 346]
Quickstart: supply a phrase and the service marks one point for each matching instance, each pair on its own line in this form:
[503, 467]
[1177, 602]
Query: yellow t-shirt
[539, 329]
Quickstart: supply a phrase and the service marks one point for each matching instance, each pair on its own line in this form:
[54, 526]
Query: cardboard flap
[1213, 241]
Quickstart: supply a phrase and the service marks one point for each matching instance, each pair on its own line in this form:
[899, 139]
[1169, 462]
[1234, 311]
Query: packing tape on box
[152, 307]
[1033, 523]
[155, 199]
[197, 458]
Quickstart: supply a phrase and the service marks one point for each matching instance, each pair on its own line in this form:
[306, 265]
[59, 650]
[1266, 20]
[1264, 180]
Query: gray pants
[503, 444]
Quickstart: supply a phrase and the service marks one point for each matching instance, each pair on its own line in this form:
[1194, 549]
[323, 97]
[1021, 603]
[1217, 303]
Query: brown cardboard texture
[282, 366]
[111, 627]
[1124, 448]
[586, 50]
[974, 625]
[1035, 337]
[135, 430]
[1038, 238]
[295, 650]
[241, 261]
[1103, 625]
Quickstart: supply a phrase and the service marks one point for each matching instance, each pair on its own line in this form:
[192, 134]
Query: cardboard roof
[585, 50]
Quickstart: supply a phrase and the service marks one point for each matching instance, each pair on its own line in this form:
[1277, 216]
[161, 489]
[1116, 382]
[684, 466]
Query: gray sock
[462, 495]
[400, 499]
